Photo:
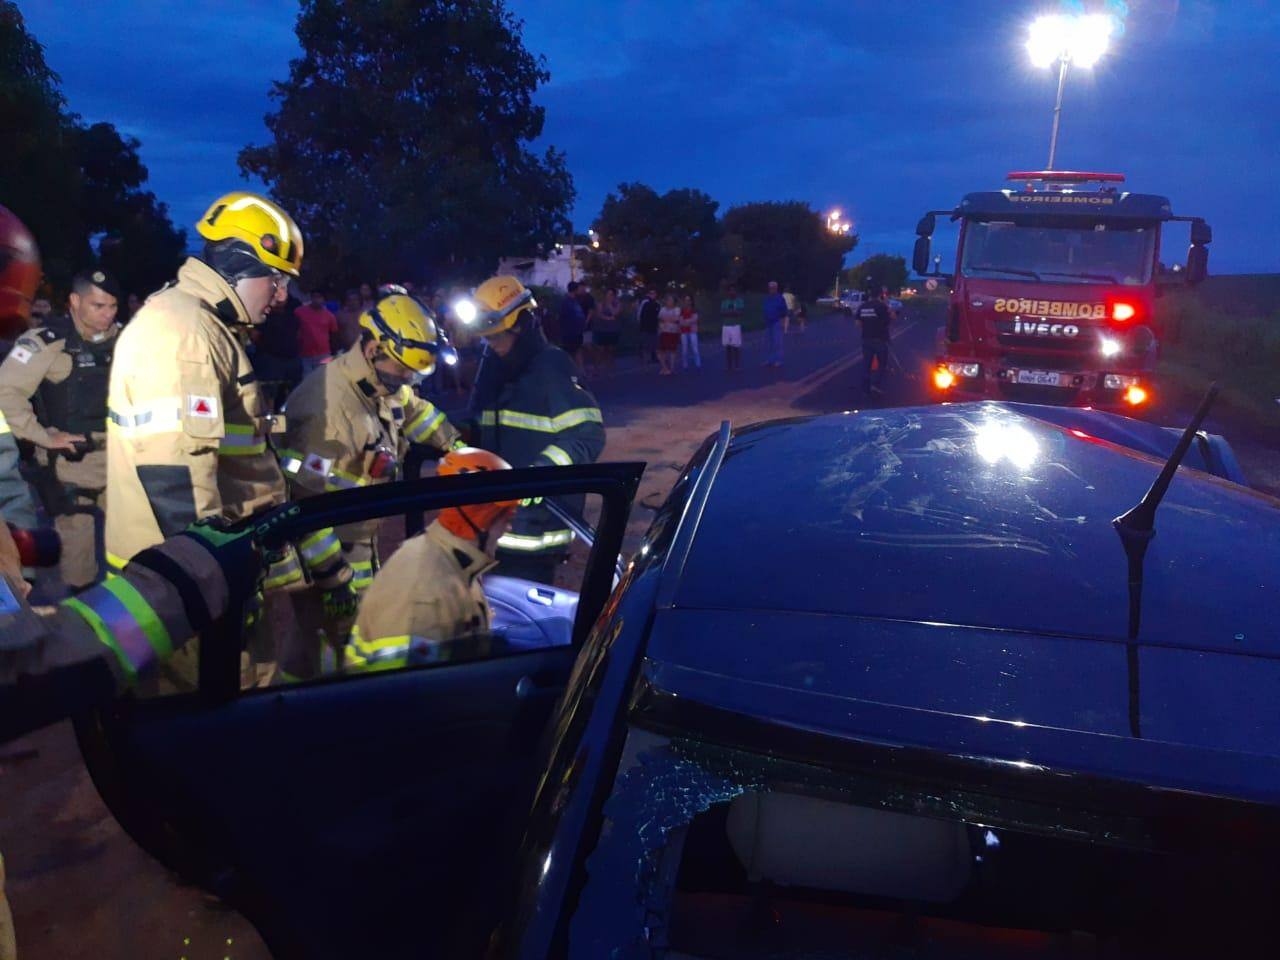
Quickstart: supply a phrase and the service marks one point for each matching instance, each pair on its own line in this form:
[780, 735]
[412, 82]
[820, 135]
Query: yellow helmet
[270, 232]
[496, 306]
[407, 331]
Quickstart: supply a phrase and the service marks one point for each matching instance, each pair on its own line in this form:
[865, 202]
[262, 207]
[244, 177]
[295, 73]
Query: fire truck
[1054, 298]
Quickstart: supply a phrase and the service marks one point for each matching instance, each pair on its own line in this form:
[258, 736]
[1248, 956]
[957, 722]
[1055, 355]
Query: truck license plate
[1043, 378]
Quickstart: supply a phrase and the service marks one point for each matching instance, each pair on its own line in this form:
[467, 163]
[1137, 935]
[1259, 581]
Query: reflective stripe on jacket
[426, 596]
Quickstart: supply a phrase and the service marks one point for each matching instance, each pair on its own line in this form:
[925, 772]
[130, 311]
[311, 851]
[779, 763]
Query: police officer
[19, 277]
[429, 594]
[528, 407]
[874, 316]
[186, 431]
[53, 393]
[350, 424]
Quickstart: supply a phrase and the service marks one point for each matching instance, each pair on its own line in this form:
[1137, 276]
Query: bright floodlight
[1079, 40]
[465, 311]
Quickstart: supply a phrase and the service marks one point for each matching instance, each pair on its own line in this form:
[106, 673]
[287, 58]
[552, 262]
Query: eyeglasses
[278, 279]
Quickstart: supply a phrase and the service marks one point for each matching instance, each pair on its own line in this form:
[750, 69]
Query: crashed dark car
[869, 687]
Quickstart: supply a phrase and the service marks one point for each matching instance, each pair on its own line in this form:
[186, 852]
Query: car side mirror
[926, 225]
[920, 256]
[1197, 264]
[1201, 233]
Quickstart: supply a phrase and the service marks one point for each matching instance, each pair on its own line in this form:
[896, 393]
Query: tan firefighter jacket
[344, 431]
[428, 594]
[186, 436]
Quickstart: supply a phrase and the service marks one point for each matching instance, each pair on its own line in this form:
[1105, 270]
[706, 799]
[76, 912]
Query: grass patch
[1226, 330]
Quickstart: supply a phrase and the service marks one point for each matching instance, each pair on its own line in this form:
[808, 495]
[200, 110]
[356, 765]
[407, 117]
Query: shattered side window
[708, 853]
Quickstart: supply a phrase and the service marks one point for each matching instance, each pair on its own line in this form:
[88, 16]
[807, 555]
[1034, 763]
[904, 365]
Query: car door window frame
[614, 483]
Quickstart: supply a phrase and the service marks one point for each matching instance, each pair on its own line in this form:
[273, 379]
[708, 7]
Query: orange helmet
[473, 521]
[19, 273]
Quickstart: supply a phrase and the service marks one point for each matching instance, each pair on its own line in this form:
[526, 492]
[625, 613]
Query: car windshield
[1093, 254]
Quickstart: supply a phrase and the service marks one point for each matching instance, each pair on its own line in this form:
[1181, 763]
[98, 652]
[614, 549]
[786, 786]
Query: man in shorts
[731, 309]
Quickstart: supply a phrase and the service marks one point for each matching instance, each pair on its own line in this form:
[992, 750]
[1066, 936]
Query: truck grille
[1046, 360]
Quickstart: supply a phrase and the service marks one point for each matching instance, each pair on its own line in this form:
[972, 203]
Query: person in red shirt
[317, 332]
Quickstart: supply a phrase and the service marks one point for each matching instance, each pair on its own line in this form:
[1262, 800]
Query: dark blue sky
[885, 109]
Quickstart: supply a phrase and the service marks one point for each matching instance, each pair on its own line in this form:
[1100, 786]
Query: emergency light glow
[1123, 311]
[1135, 395]
[465, 311]
[1078, 40]
[943, 378]
[1111, 347]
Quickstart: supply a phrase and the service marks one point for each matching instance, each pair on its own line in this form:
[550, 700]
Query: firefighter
[429, 594]
[64, 367]
[186, 436]
[350, 424]
[19, 277]
[528, 407]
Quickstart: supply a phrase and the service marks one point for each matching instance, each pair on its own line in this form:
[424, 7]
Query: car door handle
[528, 689]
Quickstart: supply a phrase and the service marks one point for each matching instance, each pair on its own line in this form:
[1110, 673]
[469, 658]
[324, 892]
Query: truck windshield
[1052, 254]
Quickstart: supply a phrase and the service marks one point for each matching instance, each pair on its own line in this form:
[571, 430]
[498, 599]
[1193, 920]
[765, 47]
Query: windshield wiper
[1136, 528]
[1084, 276]
[1013, 270]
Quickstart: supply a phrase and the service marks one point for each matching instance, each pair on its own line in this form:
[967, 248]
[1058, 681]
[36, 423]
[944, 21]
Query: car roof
[979, 515]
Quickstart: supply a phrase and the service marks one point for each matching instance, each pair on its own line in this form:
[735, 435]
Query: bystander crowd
[608, 328]
[647, 316]
[668, 336]
[689, 334]
[731, 310]
[775, 318]
[317, 332]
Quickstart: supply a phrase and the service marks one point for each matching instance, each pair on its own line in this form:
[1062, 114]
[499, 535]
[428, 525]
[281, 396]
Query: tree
[784, 241]
[667, 239]
[878, 270]
[69, 182]
[400, 139]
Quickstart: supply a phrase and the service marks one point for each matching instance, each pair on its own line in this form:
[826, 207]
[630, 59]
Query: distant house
[557, 270]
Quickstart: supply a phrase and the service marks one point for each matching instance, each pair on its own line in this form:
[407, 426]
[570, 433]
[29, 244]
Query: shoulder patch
[19, 353]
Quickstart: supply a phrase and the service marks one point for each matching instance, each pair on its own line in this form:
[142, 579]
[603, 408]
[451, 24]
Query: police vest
[79, 403]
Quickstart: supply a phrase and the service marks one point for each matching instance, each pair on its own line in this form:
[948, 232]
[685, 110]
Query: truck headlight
[1115, 381]
[964, 369]
[1111, 347]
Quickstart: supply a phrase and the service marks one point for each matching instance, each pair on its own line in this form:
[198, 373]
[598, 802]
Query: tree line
[677, 239]
[402, 143]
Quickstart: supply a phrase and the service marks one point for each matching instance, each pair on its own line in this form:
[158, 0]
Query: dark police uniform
[56, 379]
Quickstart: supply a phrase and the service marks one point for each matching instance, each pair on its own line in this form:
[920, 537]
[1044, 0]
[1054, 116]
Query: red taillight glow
[1123, 311]
[943, 378]
[1135, 395]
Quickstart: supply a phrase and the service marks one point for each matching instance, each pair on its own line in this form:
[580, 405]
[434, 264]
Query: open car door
[365, 813]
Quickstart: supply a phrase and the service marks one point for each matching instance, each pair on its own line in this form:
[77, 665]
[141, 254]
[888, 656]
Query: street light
[839, 228]
[1057, 38]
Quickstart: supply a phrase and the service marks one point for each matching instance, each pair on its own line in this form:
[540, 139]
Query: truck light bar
[1066, 176]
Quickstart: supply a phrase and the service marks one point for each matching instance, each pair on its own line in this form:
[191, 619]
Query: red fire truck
[1054, 298]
